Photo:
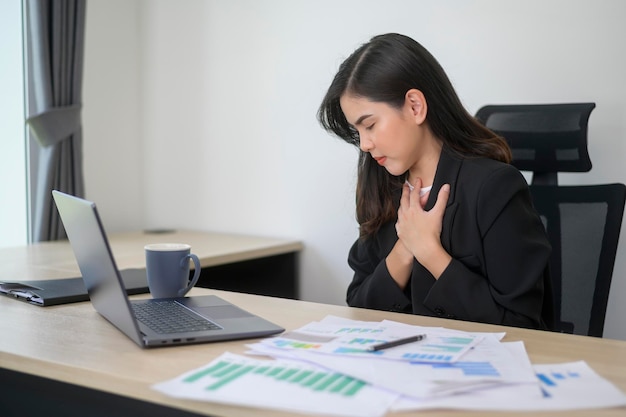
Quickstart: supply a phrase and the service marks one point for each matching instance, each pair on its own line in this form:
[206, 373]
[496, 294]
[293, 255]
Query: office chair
[583, 222]
[544, 138]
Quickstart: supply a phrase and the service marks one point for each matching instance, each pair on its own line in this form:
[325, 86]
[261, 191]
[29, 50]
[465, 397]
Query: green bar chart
[224, 372]
[303, 387]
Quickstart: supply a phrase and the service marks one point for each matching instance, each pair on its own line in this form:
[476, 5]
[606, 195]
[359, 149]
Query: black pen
[398, 342]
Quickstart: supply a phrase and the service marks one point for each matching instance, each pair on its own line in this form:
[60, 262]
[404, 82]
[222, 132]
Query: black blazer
[499, 272]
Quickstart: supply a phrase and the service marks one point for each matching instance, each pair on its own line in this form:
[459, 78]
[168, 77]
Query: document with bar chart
[564, 386]
[279, 384]
[325, 368]
[489, 363]
[354, 339]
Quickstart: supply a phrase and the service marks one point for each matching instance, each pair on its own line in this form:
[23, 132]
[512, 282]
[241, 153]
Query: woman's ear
[415, 103]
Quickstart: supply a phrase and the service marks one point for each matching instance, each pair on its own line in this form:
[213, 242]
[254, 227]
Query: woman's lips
[381, 159]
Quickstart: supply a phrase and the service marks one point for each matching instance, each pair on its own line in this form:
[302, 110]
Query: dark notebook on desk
[150, 322]
[52, 292]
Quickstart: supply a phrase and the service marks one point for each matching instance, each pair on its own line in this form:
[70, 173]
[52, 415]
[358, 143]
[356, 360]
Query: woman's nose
[365, 143]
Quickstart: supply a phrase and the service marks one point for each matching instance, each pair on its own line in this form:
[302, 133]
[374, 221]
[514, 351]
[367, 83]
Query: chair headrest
[544, 138]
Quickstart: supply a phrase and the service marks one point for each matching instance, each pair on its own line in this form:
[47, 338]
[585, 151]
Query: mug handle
[196, 273]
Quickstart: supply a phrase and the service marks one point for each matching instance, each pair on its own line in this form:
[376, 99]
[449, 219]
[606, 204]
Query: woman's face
[393, 137]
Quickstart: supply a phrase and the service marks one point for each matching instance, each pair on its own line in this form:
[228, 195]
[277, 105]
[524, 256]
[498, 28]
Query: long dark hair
[383, 70]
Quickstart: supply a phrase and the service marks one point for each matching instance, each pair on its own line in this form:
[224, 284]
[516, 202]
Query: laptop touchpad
[221, 312]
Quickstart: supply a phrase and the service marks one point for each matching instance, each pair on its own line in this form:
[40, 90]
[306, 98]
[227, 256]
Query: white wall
[202, 113]
[113, 130]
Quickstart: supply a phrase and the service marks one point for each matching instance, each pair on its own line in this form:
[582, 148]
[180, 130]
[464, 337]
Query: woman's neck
[426, 167]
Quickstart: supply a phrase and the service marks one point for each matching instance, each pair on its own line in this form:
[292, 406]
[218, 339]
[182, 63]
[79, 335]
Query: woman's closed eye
[370, 127]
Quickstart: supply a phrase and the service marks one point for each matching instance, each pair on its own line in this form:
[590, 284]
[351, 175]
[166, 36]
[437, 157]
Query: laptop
[150, 322]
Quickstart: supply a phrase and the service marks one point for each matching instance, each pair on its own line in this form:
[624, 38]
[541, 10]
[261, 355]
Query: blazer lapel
[448, 170]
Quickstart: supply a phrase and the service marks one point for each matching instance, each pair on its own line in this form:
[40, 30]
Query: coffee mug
[167, 267]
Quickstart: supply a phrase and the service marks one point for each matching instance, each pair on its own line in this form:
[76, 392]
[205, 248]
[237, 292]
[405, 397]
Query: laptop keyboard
[168, 316]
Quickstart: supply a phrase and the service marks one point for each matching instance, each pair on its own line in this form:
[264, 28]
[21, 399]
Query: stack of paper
[327, 367]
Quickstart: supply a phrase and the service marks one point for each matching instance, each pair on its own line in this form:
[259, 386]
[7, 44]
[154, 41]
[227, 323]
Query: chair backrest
[583, 225]
[544, 138]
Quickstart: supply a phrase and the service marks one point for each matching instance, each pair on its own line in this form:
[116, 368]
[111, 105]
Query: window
[13, 154]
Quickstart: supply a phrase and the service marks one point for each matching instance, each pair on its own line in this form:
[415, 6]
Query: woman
[447, 226]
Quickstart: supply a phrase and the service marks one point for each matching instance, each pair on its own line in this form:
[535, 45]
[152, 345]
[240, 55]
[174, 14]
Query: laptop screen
[95, 260]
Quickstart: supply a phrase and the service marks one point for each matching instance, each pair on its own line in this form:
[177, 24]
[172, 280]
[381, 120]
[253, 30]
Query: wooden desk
[252, 264]
[67, 360]
[103, 371]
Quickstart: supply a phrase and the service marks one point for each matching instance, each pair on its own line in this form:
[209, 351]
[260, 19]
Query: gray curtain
[55, 44]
